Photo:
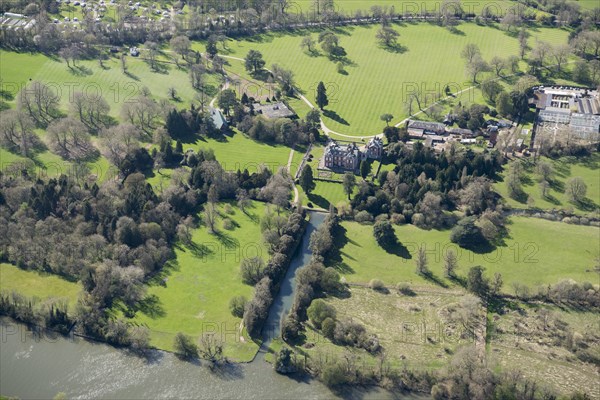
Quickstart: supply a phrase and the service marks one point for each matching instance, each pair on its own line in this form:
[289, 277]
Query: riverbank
[44, 366]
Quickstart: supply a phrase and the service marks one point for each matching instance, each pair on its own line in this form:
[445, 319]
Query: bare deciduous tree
[143, 112]
[91, 110]
[210, 216]
[560, 54]
[69, 138]
[39, 101]
[470, 51]
[119, 140]
[16, 132]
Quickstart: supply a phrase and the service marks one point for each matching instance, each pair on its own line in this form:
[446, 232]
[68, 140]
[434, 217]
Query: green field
[116, 87]
[400, 7]
[324, 194]
[201, 281]
[378, 80]
[46, 164]
[233, 151]
[407, 7]
[535, 252]
[565, 168]
[38, 285]
[89, 77]
[238, 151]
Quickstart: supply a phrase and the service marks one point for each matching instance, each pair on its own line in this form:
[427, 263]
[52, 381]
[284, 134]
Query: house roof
[218, 118]
[376, 141]
[460, 131]
[425, 125]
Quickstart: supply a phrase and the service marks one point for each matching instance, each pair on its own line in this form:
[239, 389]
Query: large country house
[348, 156]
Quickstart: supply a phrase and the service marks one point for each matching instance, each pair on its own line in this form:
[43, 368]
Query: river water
[34, 367]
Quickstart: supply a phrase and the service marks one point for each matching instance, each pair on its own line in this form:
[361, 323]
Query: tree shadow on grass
[6, 94]
[151, 306]
[132, 76]
[334, 116]
[431, 277]
[161, 277]
[407, 291]
[253, 217]
[520, 197]
[394, 48]
[591, 162]
[219, 136]
[158, 67]
[226, 240]
[586, 204]
[481, 248]
[342, 267]
[526, 180]
[561, 169]
[382, 290]
[459, 280]
[80, 70]
[397, 249]
[356, 392]
[551, 199]
[313, 53]
[557, 185]
[340, 239]
[199, 250]
[318, 200]
[455, 31]
[261, 75]
[189, 137]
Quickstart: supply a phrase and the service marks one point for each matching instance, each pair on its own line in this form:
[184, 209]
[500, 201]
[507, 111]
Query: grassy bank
[529, 255]
[192, 295]
[38, 285]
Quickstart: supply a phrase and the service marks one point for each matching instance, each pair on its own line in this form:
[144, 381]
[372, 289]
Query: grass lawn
[89, 77]
[200, 283]
[46, 164]
[233, 151]
[116, 87]
[378, 80]
[238, 151]
[324, 194]
[298, 105]
[160, 179]
[349, 7]
[39, 285]
[529, 255]
[565, 168]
